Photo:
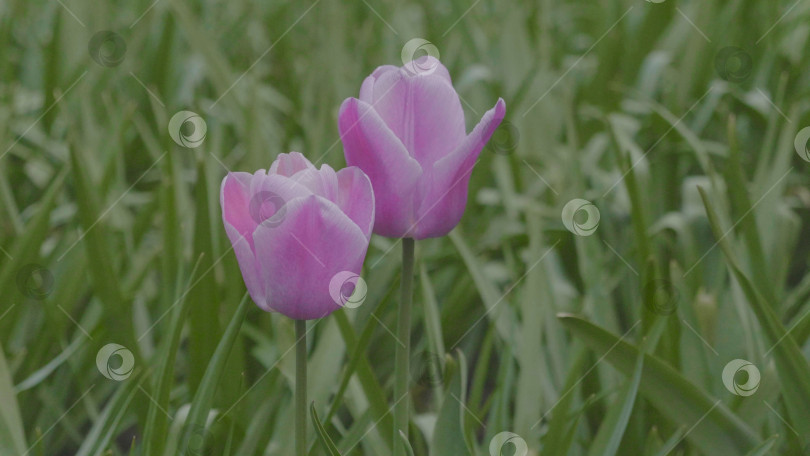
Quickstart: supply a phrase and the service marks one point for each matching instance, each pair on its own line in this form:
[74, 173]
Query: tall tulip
[299, 234]
[407, 132]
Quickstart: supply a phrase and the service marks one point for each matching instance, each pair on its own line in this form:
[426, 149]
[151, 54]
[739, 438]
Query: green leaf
[103, 273]
[794, 371]
[12, 437]
[742, 210]
[323, 436]
[448, 433]
[766, 446]
[612, 429]
[201, 404]
[406, 443]
[105, 427]
[204, 330]
[555, 441]
[157, 424]
[716, 430]
[358, 364]
[28, 244]
[486, 288]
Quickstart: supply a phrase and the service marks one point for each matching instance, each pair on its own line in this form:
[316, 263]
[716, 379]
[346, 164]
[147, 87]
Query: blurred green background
[110, 230]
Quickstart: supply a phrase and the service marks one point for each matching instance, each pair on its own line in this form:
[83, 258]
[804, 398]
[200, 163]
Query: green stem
[300, 387]
[402, 369]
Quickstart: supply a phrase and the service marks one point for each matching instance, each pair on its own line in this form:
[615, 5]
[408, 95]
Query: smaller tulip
[407, 132]
[300, 234]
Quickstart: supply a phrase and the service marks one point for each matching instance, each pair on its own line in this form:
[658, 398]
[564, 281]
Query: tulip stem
[402, 369]
[300, 387]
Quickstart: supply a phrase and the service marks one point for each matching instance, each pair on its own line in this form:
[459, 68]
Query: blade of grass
[448, 434]
[793, 368]
[204, 398]
[157, 425]
[11, 423]
[716, 429]
[323, 436]
[607, 440]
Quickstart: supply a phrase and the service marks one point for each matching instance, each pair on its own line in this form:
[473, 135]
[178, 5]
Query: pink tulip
[407, 132]
[299, 234]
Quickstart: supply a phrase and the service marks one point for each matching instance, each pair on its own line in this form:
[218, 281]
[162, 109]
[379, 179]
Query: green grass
[612, 343]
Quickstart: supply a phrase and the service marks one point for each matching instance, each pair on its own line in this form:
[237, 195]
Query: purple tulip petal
[268, 196]
[356, 198]
[234, 197]
[247, 265]
[321, 182]
[445, 197]
[427, 65]
[289, 164]
[370, 144]
[367, 89]
[299, 257]
[423, 111]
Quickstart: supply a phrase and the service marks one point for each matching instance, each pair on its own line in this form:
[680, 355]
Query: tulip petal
[445, 197]
[321, 182]
[289, 164]
[299, 257]
[367, 89]
[427, 65]
[247, 265]
[269, 193]
[356, 198]
[233, 198]
[370, 145]
[423, 111]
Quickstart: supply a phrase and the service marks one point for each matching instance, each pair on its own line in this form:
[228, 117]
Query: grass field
[630, 276]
